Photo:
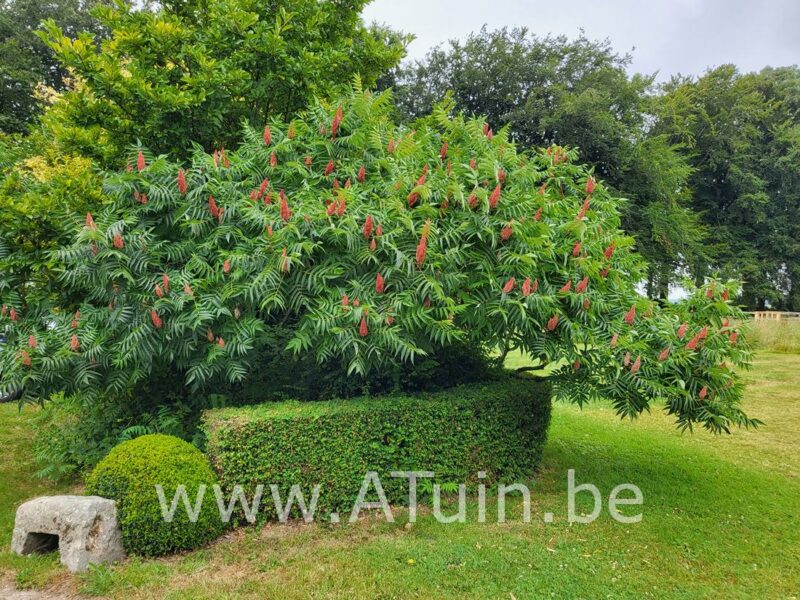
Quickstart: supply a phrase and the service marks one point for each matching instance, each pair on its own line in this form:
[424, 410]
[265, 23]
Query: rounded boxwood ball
[130, 474]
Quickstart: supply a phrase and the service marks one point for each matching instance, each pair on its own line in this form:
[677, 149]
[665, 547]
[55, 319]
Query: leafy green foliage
[498, 427]
[72, 434]
[741, 133]
[472, 242]
[553, 90]
[193, 71]
[28, 63]
[129, 475]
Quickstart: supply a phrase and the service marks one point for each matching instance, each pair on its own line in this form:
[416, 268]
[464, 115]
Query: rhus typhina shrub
[377, 244]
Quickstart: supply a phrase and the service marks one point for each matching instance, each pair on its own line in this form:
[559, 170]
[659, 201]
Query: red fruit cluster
[182, 182]
[157, 322]
[630, 316]
[337, 121]
[422, 249]
[286, 213]
[267, 135]
[509, 285]
[494, 197]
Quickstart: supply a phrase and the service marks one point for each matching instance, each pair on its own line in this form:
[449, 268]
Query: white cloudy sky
[669, 36]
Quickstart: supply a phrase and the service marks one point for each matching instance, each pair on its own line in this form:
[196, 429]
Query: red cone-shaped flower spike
[337, 120]
[552, 323]
[526, 287]
[362, 174]
[368, 227]
[140, 162]
[509, 285]
[422, 248]
[590, 184]
[494, 197]
[267, 135]
[181, 181]
[379, 283]
[286, 213]
[363, 331]
[630, 316]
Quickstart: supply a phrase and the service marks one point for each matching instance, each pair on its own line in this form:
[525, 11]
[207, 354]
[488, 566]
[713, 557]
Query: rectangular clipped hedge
[498, 427]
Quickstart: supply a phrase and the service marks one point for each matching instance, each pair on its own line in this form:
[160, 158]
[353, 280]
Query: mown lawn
[720, 520]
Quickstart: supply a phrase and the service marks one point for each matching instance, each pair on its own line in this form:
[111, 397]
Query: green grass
[775, 335]
[720, 520]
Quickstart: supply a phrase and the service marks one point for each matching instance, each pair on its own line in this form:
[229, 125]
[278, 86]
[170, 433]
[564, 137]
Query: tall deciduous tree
[27, 61]
[577, 93]
[741, 134]
[194, 71]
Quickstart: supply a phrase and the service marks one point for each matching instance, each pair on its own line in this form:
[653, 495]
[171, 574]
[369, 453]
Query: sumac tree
[376, 244]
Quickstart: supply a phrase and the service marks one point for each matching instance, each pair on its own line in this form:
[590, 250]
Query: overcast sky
[668, 36]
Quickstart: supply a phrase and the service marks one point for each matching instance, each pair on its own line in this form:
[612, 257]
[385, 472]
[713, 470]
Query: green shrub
[129, 475]
[377, 246]
[498, 427]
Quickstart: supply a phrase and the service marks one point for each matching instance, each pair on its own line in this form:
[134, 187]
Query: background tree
[27, 61]
[577, 93]
[194, 71]
[741, 134]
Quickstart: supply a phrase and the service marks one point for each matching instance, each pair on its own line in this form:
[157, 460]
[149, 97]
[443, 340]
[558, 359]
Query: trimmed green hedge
[129, 475]
[498, 427]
